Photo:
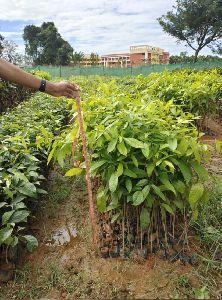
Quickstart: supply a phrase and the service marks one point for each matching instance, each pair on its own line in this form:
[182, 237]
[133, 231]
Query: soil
[215, 128]
[65, 265]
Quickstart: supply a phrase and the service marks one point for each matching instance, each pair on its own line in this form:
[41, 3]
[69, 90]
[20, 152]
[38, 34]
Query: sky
[99, 26]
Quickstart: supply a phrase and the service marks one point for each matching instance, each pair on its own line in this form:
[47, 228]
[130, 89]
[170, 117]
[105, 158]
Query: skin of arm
[14, 74]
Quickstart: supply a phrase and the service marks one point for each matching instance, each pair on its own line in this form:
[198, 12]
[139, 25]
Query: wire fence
[67, 71]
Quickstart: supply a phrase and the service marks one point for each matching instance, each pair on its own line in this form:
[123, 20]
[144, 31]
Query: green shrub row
[25, 133]
[11, 95]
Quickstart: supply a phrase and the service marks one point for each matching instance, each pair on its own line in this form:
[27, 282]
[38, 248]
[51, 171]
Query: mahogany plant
[26, 133]
[145, 154]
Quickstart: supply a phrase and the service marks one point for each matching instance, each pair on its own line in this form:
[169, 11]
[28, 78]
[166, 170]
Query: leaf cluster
[25, 137]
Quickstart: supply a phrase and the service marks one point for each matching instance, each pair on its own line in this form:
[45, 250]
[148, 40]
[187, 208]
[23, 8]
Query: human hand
[63, 88]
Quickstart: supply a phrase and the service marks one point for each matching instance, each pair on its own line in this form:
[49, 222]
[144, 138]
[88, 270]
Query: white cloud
[97, 25]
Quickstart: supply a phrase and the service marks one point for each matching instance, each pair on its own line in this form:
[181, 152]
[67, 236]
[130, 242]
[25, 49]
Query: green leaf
[18, 198]
[32, 242]
[194, 216]
[149, 169]
[150, 200]
[138, 198]
[135, 161]
[115, 217]
[19, 216]
[186, 171]
[6, 216]
[41, 191]
[113, 182]
[165, 181]
[179, 186]
[122, 148]
[28, 189]
[168, 208]
[73, 172]
[144, 218]
[112, 145]
[60, 158]
[142, 182]
[5, 233]
[200, 170]
[146, 191]
[32, 158]
[166, 163]
[2, 204]
[183, 146]
[195, 194]
[128, 184]
[218, 146]
[119, 171]
[158, 192]
[101, 202]
[129, 173]
[51, 155]
[146, 150]
[179, 204]
[96, 165]
[172, 143]
[205, 197]
[134, 143]
[14, 242]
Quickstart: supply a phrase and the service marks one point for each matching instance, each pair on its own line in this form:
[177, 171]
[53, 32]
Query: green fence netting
[66, 71]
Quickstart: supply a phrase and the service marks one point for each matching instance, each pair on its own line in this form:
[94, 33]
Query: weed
[183, 281]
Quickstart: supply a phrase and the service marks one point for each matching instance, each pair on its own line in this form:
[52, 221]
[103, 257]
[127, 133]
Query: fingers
[72, 90]
[72, 95]
[64, 88]
[72, 86]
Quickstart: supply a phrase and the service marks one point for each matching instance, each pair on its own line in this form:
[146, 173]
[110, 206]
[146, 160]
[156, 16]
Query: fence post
[60, 71]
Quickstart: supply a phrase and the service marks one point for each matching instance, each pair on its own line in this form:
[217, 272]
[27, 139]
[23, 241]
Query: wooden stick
[88, 179]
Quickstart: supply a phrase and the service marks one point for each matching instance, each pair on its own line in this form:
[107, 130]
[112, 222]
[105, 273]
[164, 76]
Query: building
[144, 54]
[116, 60]
[138, 56]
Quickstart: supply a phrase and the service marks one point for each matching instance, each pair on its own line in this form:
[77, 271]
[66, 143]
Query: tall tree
[32, 47]
[198, 23]
[64, 54]
[77, 57]
[94, 59]
[45, 44]
[10, 53]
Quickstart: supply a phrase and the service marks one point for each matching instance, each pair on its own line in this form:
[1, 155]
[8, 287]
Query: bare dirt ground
[65, 266]
[215, 165]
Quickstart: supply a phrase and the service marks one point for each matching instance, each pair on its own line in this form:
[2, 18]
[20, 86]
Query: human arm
[12, 73]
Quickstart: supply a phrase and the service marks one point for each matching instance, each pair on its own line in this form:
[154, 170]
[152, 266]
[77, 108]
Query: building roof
[116, 54]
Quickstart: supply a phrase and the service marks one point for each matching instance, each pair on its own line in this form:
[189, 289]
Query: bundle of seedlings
[146, 159]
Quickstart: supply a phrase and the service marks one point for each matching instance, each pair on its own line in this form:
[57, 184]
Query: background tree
[218, 49]
[64, 54]
[1, 45]
[198, 23]
[45, 45]
[94, 59]
[183, 57]
[77, 57]
[9, 52]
